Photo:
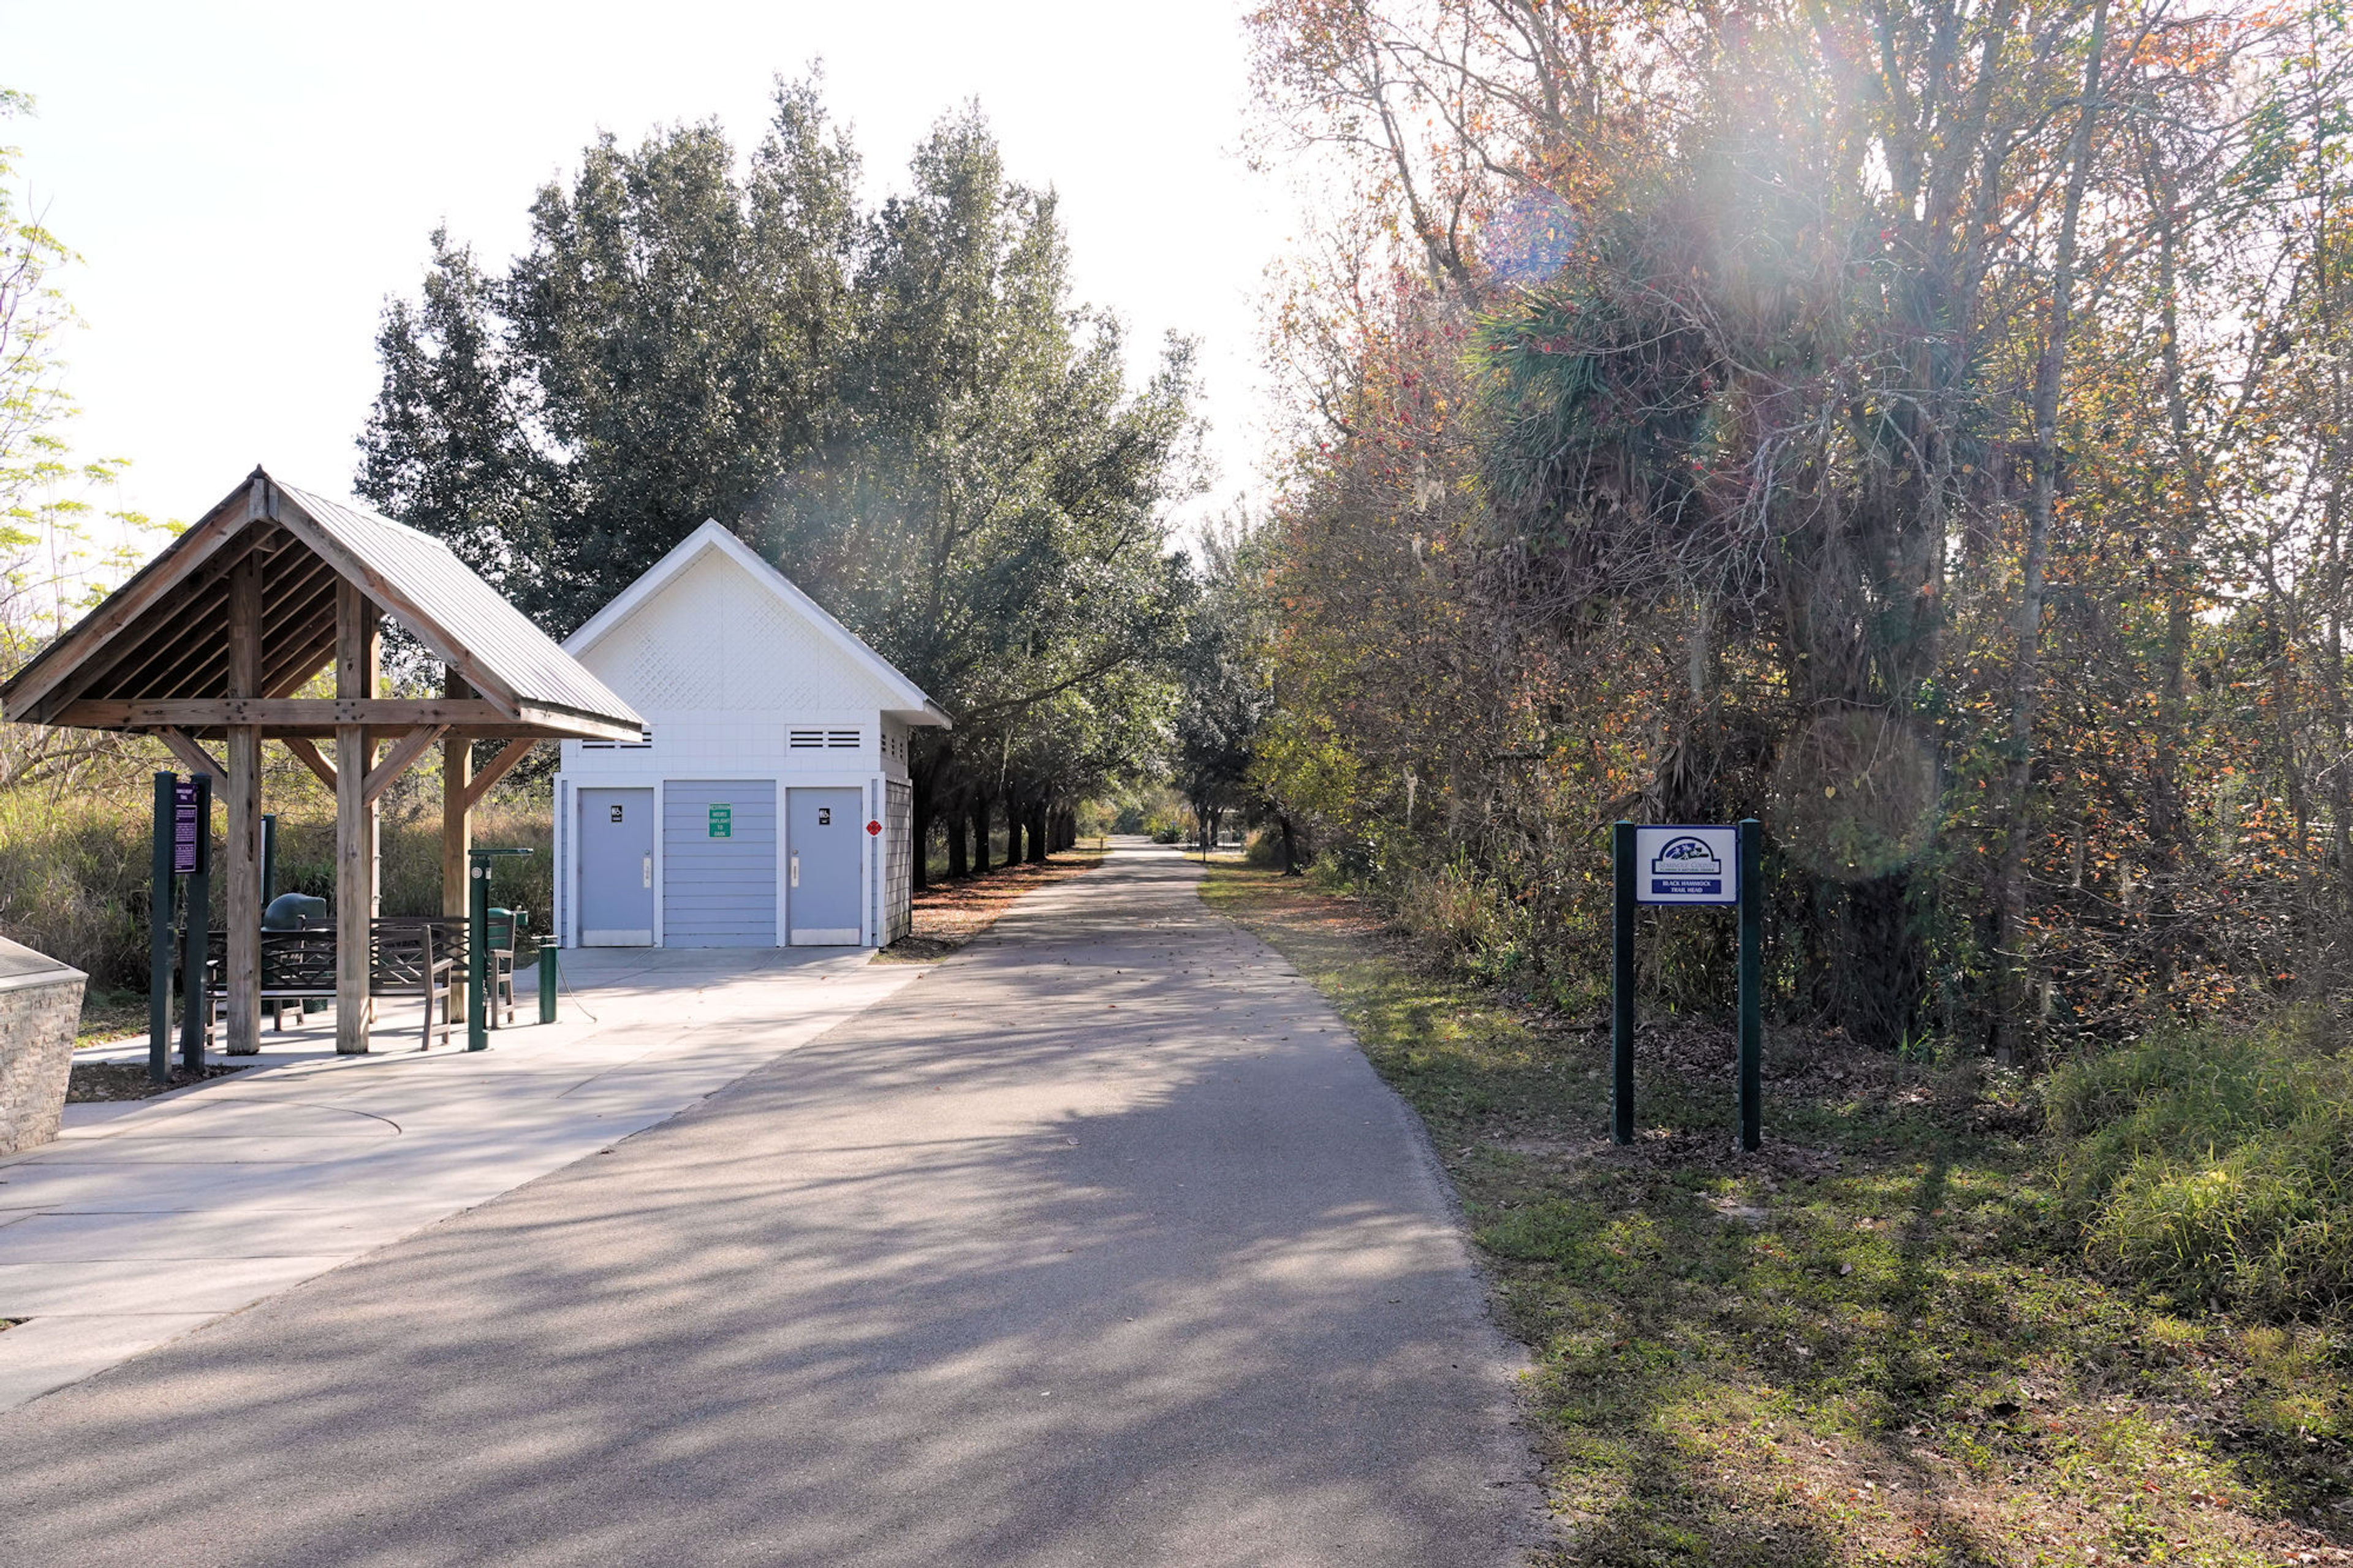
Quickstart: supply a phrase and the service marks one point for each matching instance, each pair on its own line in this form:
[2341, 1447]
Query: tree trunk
[928, 766]
[1037, 851]
[1016, 814]
[980, 804]
[1290, 852]
[959, 826]
[2027, 675]
[2165, 812]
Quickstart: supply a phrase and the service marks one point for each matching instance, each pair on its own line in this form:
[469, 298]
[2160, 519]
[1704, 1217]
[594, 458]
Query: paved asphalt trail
[1099, 1245]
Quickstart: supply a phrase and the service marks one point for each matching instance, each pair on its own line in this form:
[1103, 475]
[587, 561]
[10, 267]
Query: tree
[673, 338]
[53, 565]
[1227, 677]
[902, 407]
[1847, 414]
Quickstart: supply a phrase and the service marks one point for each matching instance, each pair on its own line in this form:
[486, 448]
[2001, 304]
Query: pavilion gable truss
[214, 638]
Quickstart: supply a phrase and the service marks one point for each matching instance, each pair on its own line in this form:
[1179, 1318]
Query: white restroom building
[767, 804]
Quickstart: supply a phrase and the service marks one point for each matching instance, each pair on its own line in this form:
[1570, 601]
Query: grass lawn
[1873, 1342]
[108, 1016]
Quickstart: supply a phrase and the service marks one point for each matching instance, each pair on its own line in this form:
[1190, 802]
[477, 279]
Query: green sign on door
[722, 822]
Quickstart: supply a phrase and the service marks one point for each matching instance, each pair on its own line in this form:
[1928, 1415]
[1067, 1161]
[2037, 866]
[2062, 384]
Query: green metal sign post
[160, 903]
[1671, 865]
[478, 943]
[1752, 986]
[1621, 986]
[195, 1007]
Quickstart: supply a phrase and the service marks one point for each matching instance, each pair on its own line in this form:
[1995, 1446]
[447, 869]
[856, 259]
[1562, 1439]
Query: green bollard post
[478, 957]
[1752, 986]
[1622, 984]
[547, 962]
[477, 945]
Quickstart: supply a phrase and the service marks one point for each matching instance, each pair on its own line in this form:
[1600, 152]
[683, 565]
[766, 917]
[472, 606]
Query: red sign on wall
[874, 827]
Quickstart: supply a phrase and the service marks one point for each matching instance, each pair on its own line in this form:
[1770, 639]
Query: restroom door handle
[650, 870]
[794, 864]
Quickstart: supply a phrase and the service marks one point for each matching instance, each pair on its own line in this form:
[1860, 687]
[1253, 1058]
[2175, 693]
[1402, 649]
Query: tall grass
[74, 882]
[74, 879]
[2216, 1166]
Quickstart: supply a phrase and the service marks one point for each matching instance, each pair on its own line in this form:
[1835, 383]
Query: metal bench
[406, 957]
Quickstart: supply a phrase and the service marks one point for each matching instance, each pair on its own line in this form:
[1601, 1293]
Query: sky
[245, 185]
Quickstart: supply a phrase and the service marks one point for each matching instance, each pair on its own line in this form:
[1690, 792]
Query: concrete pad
[211, 1197]
[42, 1291]
[47, 1354]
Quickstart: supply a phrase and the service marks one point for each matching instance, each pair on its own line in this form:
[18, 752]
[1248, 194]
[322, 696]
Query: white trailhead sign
[1686, 865]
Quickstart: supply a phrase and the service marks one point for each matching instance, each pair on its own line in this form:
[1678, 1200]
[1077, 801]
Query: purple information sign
[183, 829]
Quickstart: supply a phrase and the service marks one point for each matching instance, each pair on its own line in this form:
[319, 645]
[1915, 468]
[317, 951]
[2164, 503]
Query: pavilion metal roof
[163, 636]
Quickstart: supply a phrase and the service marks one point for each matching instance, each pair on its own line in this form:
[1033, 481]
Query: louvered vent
[642, 743]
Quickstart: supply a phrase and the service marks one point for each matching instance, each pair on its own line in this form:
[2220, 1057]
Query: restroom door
[616, 867]
[828, 833]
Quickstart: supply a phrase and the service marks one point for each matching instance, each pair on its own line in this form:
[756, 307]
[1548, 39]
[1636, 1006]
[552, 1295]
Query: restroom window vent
[824, 740]
[642, 743]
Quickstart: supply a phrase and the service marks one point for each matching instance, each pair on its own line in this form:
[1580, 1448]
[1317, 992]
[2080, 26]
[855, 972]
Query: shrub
[2216, 1166]
[1470, 917]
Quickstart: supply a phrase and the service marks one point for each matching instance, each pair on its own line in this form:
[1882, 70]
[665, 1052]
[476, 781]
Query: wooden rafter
[277, 712]
[81, 646]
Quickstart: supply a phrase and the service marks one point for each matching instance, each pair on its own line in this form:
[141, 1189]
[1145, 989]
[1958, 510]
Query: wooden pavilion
[212, 639]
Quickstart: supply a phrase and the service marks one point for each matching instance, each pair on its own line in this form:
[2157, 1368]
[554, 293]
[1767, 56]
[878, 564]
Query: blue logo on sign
[1686, 865]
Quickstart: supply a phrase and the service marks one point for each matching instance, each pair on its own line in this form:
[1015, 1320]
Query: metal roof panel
[464, 612]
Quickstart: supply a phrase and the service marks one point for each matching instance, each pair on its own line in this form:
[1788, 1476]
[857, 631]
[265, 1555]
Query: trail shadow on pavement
[1101, 1244]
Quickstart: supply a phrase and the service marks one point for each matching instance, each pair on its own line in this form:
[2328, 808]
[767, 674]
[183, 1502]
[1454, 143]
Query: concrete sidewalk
[1101, 1244]
[148, 1218]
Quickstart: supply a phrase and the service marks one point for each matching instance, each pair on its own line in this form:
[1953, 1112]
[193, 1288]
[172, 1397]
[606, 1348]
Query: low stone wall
[41, 1005]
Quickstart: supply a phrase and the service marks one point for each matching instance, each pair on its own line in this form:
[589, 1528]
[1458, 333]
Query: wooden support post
[456, 810]
[357, 652]
[242, 982]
